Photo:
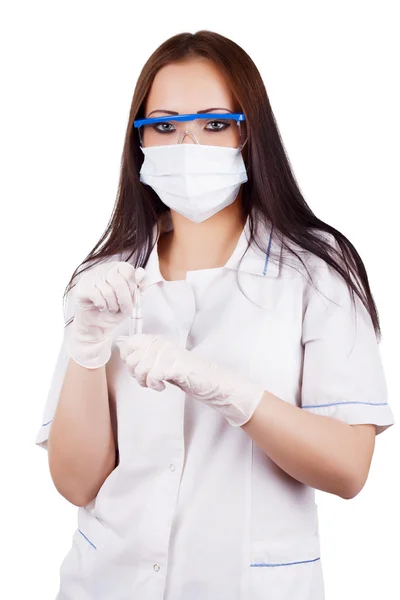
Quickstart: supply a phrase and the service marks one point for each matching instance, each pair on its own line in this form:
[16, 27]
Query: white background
[69, 70]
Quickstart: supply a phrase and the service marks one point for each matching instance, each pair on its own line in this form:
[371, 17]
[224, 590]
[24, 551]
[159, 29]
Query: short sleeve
[342, 375]
[56, 380]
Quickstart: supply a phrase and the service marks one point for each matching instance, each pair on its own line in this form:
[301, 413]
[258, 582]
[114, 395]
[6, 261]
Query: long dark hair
[271, 189]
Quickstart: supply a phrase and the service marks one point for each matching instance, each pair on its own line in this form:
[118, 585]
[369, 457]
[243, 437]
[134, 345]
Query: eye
[163, 127]
[217, 125]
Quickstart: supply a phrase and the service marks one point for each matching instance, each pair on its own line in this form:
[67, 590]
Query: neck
[192, 246]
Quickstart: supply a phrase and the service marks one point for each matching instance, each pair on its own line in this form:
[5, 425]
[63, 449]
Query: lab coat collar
[255, 261]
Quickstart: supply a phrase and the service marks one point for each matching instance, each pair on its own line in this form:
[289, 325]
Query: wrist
[243, 401]
[86, 350]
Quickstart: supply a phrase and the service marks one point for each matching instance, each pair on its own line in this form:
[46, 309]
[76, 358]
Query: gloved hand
[152, 359]
[102, 298]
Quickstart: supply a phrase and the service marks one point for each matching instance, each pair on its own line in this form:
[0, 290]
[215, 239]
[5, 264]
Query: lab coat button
[172, 467]
[156, 567]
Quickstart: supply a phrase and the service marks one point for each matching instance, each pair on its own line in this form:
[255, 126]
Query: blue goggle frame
[189, 117]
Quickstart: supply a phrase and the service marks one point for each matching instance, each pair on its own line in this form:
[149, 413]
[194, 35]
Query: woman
[193, 450]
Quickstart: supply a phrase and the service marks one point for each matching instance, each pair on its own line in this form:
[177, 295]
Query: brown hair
[271, 188]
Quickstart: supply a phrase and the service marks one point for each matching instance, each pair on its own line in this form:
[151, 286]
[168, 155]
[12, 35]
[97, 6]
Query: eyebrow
[173, 112]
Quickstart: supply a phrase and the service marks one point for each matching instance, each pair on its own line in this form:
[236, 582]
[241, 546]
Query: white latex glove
[152, 359]
[102, 298]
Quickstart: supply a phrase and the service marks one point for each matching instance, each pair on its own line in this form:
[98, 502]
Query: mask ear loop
[140, 136]
[241, 146]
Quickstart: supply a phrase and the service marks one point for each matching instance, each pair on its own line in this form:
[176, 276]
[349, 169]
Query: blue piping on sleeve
[336, 403]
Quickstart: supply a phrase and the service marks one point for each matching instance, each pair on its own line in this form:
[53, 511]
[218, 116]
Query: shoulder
[323, 286]
[299, 262]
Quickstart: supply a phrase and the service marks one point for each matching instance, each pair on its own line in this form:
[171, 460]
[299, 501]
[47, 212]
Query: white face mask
[195, 180]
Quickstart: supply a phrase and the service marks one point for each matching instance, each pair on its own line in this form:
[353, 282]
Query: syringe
[136, 320]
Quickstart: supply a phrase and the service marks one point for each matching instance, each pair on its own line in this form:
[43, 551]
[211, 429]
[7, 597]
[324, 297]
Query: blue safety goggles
[169, 129]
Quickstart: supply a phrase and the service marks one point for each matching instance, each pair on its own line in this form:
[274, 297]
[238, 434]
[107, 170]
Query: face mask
[195, 180]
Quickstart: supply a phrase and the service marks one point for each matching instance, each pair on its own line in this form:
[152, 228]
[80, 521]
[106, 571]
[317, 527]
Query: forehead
[189, 86]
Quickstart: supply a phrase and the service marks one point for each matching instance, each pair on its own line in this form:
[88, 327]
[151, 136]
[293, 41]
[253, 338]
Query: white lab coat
[195, 509]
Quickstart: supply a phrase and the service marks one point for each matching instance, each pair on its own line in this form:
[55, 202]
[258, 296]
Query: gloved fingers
[147, 376]
[88, 295]
[96, 288]
[156, 375]
[141, 371]
[140, 360]
[133, 359]
[110, 286]
[141, 279]
[166, 366]
[156, 385]
[115, 287]
[143, 357]
[140, 274]
[128, 344]
[134, 277]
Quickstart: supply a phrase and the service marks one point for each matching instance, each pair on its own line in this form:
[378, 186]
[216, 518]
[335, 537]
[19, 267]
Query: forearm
[319, 451]
[81, 443]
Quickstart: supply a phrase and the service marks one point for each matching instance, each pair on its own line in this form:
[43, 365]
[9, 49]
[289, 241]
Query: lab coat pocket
[285, 571]
[86, 543]
[77, 569]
